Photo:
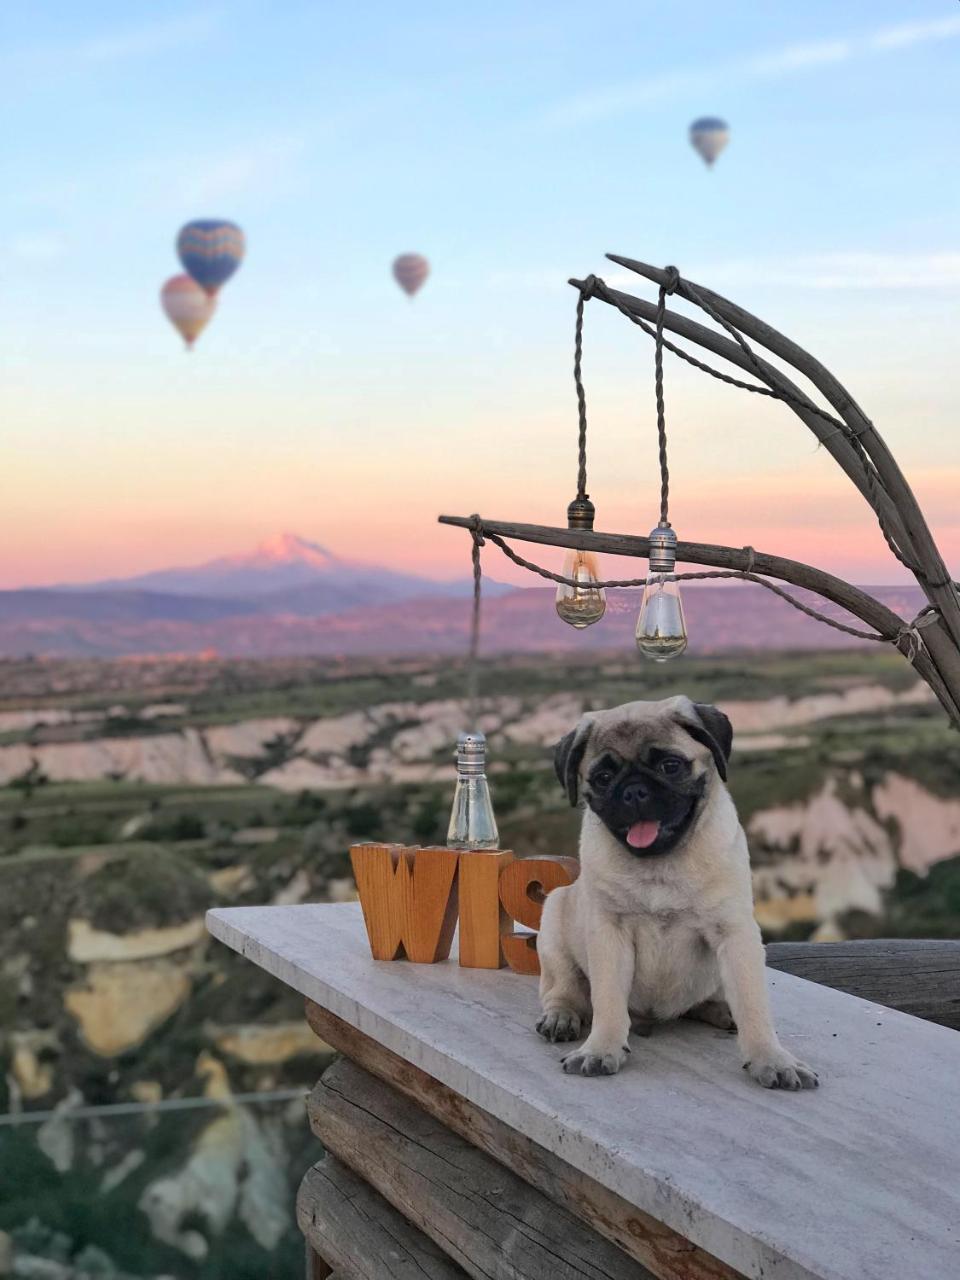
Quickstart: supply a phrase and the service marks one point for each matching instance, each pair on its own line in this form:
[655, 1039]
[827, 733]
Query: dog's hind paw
[781, 1070]
[561, 1025]
[716, 1013]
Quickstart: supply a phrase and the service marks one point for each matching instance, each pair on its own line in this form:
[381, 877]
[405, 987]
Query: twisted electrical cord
[481, 534]
[669, 287]
[585, 293]
[472, 662]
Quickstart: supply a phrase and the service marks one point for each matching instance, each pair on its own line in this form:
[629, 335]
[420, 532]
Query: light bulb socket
[580, 513]
[663, 549]
[471, 753]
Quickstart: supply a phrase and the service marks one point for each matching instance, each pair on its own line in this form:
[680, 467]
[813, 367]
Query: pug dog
[660, 922]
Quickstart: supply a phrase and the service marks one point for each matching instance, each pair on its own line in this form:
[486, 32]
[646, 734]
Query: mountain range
[292, 596]
[284, 574]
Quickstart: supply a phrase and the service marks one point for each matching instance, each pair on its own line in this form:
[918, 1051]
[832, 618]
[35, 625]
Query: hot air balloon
[410, 270]
[187, 307]
[708, 136]
[211, 249]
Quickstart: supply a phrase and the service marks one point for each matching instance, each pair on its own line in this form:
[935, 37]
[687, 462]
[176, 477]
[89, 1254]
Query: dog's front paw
[595, 1059]
[781, 1070]
[560, 1025]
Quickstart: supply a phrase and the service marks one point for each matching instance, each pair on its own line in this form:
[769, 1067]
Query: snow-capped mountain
[294, 573]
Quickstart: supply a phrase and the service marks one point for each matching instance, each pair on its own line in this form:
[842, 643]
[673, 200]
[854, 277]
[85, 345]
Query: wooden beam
[347, 1221]
[850, 598]
[916, 976]
[316, 1268]
[665, 1254]
[483, 1215]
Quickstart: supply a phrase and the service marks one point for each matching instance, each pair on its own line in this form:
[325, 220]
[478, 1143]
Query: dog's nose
[635, 794]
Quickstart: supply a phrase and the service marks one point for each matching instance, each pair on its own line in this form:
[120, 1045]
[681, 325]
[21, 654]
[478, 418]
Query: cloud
[204, 180]
[791, 59]
[112, 47]
[37, 247]
[851, 270]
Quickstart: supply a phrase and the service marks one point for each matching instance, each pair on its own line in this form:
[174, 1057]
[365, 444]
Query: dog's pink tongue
[642, 834]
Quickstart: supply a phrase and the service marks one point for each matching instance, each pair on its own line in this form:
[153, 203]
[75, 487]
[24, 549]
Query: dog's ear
[568, 757]
[714, 730]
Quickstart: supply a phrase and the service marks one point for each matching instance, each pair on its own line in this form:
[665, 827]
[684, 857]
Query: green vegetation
[916, 907]
[124, 855]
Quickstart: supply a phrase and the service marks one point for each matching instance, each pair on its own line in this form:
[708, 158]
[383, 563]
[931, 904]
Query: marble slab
[859, 1180]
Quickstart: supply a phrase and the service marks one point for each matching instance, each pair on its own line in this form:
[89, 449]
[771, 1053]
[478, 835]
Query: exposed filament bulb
[585, 602]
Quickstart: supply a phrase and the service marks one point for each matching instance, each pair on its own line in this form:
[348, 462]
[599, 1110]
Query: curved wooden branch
[852, 599]
[891, 497]
[710, 340]
[917, 540]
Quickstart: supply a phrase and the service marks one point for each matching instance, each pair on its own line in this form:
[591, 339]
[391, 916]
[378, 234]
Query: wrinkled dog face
[645, 768]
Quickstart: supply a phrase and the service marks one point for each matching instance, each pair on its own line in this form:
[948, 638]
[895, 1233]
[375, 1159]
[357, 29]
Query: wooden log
[316, 1268]
[365, 1238]
[487, 1219]
[663, 1252]
[915, 976]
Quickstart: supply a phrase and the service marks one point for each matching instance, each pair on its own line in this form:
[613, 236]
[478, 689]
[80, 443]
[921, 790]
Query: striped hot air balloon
[708, 136]
[410, 270]
[211, 249]
[187, 307]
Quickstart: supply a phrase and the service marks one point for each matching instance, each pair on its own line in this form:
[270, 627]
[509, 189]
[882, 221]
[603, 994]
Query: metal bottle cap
[663, 549]
[471, 752]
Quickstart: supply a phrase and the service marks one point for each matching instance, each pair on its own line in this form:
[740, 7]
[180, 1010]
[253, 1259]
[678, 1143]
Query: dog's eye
[601, 779]
[672, 766]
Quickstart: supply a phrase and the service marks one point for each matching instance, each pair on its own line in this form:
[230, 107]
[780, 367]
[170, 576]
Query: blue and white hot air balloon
[210, 249]
[708, 136]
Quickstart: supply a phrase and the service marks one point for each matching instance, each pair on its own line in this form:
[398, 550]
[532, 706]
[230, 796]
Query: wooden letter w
[409, 900]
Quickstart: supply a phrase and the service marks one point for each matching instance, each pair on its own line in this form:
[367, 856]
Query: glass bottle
[472, 823]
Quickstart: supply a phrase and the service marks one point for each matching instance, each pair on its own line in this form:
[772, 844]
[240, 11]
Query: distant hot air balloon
[187, 307]
[410, 270]
[709, 135]
[211, 249]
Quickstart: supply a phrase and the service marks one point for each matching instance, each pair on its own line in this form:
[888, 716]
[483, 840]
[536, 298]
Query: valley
[134, 794]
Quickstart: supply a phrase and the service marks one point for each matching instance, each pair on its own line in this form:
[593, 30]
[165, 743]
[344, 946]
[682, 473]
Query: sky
[513, 144]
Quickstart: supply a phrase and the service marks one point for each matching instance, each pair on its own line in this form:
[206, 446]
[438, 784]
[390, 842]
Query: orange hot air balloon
[188, 307]
[410, 270]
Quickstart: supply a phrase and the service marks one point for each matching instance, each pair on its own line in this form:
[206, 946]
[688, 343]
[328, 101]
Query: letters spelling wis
[412, 899]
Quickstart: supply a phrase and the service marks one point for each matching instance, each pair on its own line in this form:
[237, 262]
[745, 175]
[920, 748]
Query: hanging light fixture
[581, 601]
[661, 632]
[661, 628]
[585, 603]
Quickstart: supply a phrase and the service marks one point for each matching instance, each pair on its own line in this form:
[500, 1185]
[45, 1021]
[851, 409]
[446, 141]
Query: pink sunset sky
[324, 402]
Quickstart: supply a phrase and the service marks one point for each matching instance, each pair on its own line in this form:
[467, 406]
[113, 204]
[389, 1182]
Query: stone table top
[859, 1180]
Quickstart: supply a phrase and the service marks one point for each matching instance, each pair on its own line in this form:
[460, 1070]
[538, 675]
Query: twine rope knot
[909, 639]
[672, 282]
